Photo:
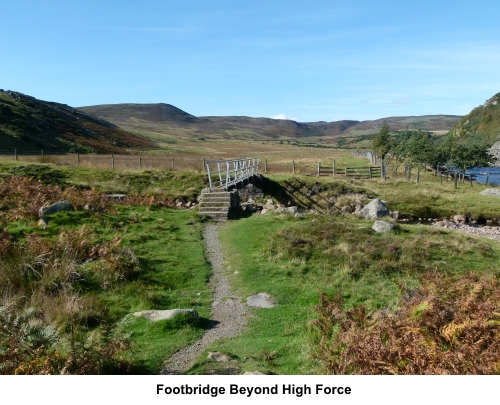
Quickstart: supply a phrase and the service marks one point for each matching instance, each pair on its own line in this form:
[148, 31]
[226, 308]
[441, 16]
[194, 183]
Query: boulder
[460, 218]
[218, 357]
[375, 209]
[117, 196]
[261, 300]
[299, 215]
[292, 210]
[54, 208]
[491, 191]
[264, 211]
[382, 226]
[159, 315]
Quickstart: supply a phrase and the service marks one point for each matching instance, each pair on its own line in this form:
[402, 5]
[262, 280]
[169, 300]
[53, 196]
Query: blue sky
[305, 60]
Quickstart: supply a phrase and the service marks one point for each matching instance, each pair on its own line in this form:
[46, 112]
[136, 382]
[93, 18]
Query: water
[494, 175]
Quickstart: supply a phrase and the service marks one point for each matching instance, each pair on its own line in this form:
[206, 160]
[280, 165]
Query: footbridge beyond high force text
[223, 174]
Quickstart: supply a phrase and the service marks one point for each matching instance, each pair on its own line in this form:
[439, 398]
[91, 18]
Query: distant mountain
[172, 122]
[481, 124]
[27, 123]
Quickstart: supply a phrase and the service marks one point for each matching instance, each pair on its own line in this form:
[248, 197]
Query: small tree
[381, 142]
[465, 157]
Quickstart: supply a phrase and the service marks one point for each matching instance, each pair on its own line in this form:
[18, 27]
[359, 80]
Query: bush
[446, 326]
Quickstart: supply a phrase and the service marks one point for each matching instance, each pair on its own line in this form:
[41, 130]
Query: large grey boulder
[159, 315]
[374, 209]
[382, 226]
[56, 207]
[491, 191]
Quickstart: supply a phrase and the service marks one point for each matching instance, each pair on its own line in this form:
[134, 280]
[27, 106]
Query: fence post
[293, 167]
[334, 167]
[409, 173]
[456, 179]
[319, 167]
[441, 175]
[140, 163]
[418, 175]
[204, 164]
[172, 163]
[15, 154]
[370, 172]
[487, 175]
[470, 178]
[112, 161]
[78, 159]
[265, 166]
[345, 171]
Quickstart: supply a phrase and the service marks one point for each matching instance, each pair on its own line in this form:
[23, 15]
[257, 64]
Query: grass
[294, 259]
[167, 183]
[93, 268]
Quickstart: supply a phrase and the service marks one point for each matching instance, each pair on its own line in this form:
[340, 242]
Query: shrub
[446, 326]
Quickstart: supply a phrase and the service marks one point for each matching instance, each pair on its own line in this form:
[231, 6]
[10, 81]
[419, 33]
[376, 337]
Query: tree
[466, 156]
[381, 142]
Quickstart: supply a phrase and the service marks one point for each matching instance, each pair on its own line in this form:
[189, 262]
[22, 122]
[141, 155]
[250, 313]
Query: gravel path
[228, 312]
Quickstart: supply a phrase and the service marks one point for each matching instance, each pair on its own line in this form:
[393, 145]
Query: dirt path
[228, 312]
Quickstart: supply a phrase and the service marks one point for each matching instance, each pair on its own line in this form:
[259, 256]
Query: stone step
[218, 193]
[215, 203]
[215, 215]
[217, 199]
[203, 210]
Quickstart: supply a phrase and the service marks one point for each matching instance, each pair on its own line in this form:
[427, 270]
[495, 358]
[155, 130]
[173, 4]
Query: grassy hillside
[172, 124]
[481, 124]
[30, 124]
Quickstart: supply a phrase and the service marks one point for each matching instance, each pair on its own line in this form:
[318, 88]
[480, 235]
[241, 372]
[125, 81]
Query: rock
[159, 315]
[395, 215]
[299, 215]
[460, 218]
[116, 196]
[382, 226]
[250, 200]
[375, 209]
[269, 206]
[188, 204]
[256, 372]
[261, 300]
[280, 209]
[491, 191]
[269, 202]
[58, 206]
[264, 211]
[179, 204]
[292, 210]
[219, 357]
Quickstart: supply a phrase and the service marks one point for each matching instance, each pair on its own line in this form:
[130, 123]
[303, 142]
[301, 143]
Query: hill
[27, 123]
[173, 123]
[481, 124]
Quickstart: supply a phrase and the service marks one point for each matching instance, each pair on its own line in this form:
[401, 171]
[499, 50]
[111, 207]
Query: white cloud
[285, 117]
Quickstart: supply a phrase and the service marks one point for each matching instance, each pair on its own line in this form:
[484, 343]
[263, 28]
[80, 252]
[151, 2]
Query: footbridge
[223, 174]
[217, 201]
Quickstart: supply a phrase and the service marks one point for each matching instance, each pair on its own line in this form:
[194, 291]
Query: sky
[302, 60]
